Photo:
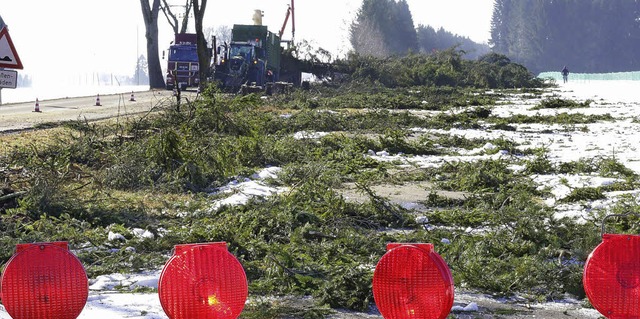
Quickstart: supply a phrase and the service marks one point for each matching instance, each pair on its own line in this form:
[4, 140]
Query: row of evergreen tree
[589, 36]
[385, 27]
[24, 80]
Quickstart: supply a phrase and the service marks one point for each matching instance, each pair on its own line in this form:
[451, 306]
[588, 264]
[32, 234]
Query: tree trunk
[150, 14]
[204, 54]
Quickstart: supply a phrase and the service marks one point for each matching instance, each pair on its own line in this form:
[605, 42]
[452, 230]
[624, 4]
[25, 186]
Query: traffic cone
[37, 108]
[132, 99]
[98, 100]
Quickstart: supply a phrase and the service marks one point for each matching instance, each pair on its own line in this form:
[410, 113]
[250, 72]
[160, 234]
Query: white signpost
[8, 79]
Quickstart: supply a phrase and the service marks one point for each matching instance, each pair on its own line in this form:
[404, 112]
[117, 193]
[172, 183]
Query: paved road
[18, 116]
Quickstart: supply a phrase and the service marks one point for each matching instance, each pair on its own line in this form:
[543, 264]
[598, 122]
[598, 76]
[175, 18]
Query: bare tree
[173, 19]
[204, 54]
[222, 33]
[150, 14]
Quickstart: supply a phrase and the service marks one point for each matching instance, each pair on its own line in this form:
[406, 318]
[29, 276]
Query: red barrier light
[611, 276]
[412, 281]
[203, 281]
[44, 281]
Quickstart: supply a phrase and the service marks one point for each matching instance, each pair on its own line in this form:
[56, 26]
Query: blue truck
[183, 66]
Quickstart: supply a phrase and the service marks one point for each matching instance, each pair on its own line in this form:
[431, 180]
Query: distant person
[565, 74]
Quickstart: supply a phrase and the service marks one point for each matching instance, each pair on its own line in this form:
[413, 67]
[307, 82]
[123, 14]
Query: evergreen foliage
[160, 172]
[140, 75]
[157, 172]
[443, 68]
[383, 28]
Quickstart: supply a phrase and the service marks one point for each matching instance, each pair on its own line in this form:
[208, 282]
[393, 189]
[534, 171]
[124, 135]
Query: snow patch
[239, 193]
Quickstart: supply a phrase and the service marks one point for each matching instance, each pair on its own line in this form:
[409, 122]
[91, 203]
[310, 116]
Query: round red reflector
[44, 281]
[412, 281]
[611, 276]
[202, 281]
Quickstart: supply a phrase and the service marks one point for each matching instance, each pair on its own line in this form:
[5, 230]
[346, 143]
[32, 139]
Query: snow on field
[618, 98]
[239, 193]
[564, 143]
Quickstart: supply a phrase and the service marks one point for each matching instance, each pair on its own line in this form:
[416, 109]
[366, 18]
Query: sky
[600, 139]
[70, 40]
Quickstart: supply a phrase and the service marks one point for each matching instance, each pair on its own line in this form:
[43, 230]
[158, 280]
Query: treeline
[24, 80]
[590, 36]
[431, 40]
[385, 27]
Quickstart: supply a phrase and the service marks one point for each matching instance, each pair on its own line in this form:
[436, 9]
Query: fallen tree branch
[7, 197]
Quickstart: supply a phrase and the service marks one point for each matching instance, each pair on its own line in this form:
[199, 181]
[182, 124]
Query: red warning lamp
[44, 281]
[202, 281]
[611, 275]
[411, 281]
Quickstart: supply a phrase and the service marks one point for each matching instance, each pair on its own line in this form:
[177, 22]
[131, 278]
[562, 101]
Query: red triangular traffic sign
[8, 56]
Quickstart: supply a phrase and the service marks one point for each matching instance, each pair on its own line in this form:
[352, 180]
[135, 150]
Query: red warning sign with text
[8, 56]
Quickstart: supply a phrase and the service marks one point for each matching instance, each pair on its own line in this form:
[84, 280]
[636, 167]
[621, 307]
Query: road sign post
[8, 55]
[8, 79]
[8, 59]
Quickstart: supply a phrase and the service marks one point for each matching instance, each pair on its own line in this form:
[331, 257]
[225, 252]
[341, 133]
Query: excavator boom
[284, 25]
[290, 13]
